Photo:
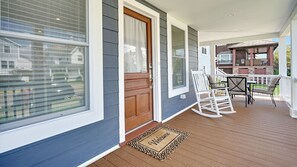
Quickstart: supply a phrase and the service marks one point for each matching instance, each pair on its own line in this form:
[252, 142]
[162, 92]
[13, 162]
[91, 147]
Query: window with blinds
[44, 74]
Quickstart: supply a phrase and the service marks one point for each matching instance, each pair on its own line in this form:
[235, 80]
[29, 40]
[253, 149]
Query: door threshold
[139, 130]
[130, 131]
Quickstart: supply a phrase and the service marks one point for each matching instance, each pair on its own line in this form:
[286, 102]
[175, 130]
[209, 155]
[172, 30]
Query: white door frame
[155, 18]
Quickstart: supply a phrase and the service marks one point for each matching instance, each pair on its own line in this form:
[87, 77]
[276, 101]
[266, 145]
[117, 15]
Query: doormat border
[165, 152]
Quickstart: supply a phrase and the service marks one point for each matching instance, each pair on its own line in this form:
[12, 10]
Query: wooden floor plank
[257, 135]
[245, 141]
[176, 159]
[152, 161]
[117, 161]
[103, 163]
[234, 145]
[131, 159]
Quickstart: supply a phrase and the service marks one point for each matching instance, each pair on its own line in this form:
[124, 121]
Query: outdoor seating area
[247, 85]
[260, 135]
[235, 85]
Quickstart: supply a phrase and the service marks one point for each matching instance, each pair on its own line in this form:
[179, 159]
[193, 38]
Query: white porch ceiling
[230, 19]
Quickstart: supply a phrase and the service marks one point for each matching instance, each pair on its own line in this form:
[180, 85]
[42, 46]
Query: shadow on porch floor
[259, 135]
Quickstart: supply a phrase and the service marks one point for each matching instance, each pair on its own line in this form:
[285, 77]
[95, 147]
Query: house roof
[255, 43]
[224, 52]
[11, 41]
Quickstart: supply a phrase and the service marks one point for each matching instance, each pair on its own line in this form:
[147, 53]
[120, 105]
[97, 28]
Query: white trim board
[155, 18]
[292, 113]
[99, 156]
[180, 112]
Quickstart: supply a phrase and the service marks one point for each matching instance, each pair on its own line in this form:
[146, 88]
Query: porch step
[140, 131]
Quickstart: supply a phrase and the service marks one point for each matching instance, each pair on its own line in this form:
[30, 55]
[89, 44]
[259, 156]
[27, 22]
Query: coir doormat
[158, 142]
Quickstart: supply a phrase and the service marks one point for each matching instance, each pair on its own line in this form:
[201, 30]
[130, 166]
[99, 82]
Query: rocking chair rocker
[207, 98]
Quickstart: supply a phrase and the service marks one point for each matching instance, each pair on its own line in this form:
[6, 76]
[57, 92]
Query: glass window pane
[178, 58]
[64, 19]
[178, 76]
[178, 42]
[135, 45]
[46, 78]
[11, 64]
[3, 64]
[6, 49]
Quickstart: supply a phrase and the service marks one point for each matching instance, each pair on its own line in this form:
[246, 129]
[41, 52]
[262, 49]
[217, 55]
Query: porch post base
[293, 113]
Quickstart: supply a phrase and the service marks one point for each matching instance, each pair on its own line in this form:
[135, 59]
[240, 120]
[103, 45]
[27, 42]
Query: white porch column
[212, 60]
[293, 111]
[282, 66]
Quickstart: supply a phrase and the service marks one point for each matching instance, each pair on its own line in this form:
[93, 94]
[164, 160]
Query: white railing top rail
[286, 77]
[220, 72]
[249, 75]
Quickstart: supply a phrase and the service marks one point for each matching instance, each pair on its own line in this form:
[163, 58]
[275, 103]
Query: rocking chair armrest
[202, 92]
[226, 88]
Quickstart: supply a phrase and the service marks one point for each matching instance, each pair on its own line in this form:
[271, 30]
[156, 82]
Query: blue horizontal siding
[77, 146]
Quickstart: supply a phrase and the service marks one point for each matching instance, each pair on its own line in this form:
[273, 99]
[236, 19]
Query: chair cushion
[274, 81]
[236, 93]
[261, 90]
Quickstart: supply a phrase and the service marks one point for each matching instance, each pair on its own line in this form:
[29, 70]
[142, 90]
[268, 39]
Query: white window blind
[47, 75]
[64, 19]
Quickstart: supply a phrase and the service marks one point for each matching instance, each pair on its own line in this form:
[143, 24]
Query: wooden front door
[138, 69]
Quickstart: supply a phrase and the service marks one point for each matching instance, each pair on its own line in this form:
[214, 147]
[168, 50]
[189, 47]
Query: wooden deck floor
[259, 135]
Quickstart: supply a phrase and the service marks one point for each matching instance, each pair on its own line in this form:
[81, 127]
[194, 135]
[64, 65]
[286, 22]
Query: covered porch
[92, 131]
[259, 135]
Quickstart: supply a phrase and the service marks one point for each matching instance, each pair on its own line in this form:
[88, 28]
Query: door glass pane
[135, 45]
[178, 57]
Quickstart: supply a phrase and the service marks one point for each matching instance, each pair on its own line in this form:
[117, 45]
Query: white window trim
[171, 91]
[28, 134]
[155, 18]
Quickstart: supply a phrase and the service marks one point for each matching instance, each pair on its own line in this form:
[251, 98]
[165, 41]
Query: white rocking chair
[207, 98]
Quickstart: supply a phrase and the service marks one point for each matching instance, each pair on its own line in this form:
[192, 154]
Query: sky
[288, 40]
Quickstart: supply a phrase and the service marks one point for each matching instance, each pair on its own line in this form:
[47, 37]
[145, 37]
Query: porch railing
[14, 101]
[262, 80]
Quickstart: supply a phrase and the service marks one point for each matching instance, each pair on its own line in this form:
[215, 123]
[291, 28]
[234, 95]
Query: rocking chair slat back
[200, 82]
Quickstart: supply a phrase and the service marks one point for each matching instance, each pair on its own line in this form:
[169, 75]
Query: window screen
[43, 78]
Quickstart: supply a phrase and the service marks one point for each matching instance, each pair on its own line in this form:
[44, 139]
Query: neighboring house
[13, 63]
[252, 57]
[10, 54]
[67, 60]
[204, 59]
[75, 70]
